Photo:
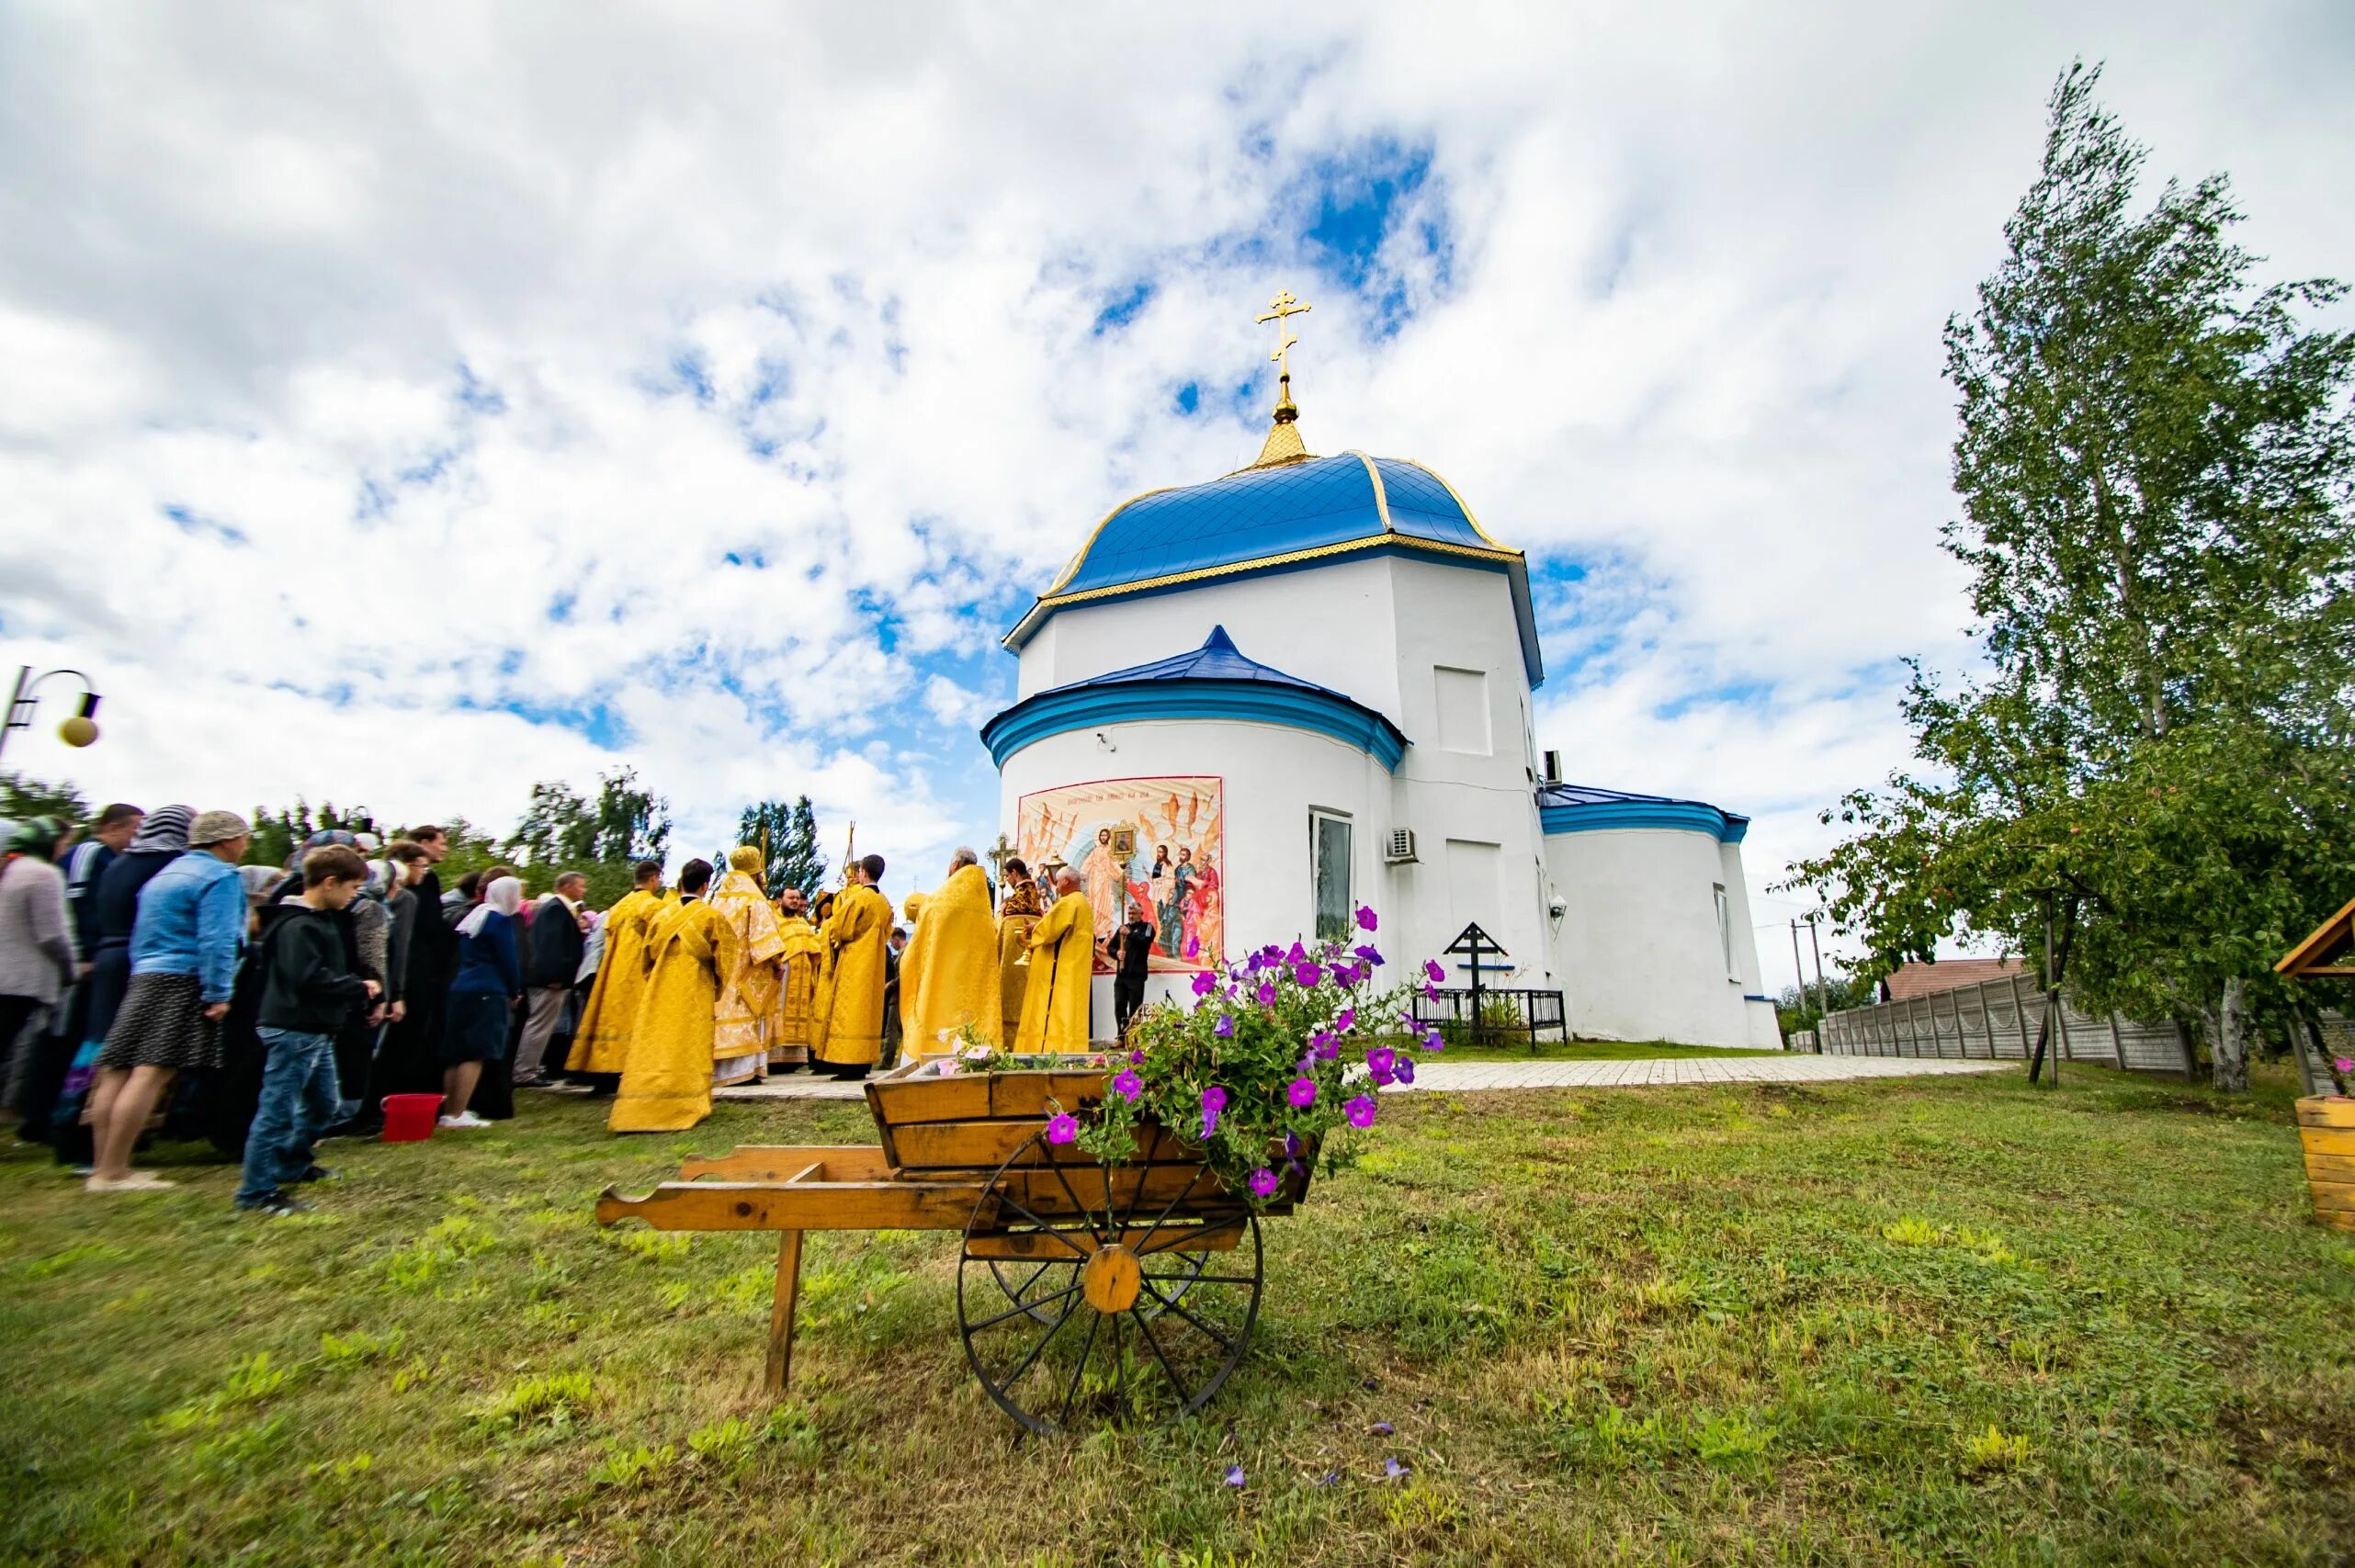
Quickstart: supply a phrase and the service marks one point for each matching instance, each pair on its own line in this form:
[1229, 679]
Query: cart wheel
[1112, 1311]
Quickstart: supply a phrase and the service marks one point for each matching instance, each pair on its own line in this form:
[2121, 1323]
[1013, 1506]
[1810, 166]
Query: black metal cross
[1475, 944]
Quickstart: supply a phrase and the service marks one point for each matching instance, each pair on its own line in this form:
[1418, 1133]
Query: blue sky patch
[197, 525]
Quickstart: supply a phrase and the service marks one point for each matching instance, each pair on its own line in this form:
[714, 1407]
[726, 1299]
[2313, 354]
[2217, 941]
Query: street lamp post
[79, 730]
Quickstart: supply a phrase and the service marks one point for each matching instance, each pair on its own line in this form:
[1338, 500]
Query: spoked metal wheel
[1085, 1294]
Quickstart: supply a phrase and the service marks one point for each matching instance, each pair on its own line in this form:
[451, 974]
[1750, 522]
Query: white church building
[1248, 705]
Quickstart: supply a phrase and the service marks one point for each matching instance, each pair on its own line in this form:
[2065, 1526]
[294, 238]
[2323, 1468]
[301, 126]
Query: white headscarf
[507, 896]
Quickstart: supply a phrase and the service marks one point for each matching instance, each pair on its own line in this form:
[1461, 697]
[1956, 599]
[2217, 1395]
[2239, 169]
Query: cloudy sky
[400, 404]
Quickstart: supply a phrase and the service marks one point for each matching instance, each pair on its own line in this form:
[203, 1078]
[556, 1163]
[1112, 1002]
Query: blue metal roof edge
[1310, 709]
[1516, 571]
[1688, 815]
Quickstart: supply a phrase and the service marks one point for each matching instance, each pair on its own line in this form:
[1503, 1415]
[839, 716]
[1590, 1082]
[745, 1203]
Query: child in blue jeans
[308, 993]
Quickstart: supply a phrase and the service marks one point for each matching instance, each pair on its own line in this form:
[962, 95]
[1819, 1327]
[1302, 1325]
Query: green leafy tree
[789, 838]
[601, 839]
[276, 833]
[22, 796]
[2155, 466]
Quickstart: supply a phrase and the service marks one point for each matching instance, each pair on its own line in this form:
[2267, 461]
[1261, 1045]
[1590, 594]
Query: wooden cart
[1082, 1290]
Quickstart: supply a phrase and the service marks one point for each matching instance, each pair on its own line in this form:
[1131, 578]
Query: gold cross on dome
[1282, 306]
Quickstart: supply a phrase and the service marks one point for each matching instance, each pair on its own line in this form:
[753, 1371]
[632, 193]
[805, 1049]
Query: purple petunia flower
[1370, 955]
[2344, 1065]
[1346, 1020]
[1404, 1069]
[1345, 974]
[1129, 1085]
[1225, 1028]
[1264, 1182]
[1361, 1110]
[1393, 1468]
[1431, 968]
[1430, 991]
[1205, 982]
[1234, 1475]
[1299, 954]
[1301, 1092]
[1267, 993]
[1326, 1049]
[1384, 1078]
[1379, 1058]
[1213, 1101]
[1293, 1146]
[1434, 1040]
[1136, 1058]
[1366, 920]
[1308, 974]
[1062, 1129]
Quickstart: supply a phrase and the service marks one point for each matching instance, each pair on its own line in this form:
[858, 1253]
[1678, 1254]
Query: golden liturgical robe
[666, 1086]
[797, 1021]
[602, 1042]
[1013, 975]
[745, 1014]
[850, 997]
[1062, 972]
[948, 976]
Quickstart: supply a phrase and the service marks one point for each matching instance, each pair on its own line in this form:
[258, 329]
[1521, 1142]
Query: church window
[1726, 930]
[1463, 702]
[1329, 847]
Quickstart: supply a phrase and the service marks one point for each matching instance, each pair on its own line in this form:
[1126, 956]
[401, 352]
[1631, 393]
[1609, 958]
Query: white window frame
[1318, 817]
[1725, 931]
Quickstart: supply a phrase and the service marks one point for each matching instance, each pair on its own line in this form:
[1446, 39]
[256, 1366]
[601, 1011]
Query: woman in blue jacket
[482, 994]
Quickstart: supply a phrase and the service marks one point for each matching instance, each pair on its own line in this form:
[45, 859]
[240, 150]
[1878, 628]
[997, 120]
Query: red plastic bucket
[409, 1117]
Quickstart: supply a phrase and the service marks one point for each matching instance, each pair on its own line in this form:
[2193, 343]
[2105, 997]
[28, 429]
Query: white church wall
[1640, 940]
[1765, 1029]
[1273, 777]
[1332, 625]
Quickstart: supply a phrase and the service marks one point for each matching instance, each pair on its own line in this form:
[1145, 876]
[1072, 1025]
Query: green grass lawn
[1951, 1321]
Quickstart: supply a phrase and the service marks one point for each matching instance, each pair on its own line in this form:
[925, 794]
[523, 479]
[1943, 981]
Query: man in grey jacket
[37, 958]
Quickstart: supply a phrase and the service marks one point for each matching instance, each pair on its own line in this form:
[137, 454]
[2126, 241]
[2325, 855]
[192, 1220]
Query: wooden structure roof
[2323, 955]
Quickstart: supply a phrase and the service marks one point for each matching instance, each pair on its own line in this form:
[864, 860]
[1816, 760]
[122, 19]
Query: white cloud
[474, 342]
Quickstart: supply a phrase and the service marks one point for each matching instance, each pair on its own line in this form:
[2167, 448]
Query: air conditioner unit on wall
[1400, 848]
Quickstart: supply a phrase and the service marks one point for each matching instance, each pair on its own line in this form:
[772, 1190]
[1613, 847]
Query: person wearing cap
[184, 954]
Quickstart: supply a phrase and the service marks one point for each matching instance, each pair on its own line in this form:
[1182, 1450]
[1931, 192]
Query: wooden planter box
[2326, 1127]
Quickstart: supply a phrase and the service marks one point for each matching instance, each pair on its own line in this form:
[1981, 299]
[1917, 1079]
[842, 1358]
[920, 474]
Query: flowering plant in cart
[1263, 1067]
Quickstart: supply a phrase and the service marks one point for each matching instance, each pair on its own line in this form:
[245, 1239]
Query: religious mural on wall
[1152, 847]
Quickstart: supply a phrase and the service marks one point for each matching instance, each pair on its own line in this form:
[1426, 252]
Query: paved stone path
[1452, 1077]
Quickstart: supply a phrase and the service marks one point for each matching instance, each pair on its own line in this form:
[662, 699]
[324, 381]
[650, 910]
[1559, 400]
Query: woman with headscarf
[37, 960]
[744, 1018]
[482, 996]
[113, 911]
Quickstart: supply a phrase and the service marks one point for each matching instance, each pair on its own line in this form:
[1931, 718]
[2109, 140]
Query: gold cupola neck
[1284, 443]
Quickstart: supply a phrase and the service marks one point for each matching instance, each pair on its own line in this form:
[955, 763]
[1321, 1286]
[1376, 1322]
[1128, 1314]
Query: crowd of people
[153, 983]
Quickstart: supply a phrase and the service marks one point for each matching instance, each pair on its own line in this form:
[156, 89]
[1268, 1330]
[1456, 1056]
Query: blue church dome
[1281, 515]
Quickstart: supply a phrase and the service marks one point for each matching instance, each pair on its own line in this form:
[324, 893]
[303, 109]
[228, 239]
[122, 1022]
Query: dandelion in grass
[1360, 1111]
[1264, 1182]
[1128, 1086]
[1062, 1128]
[1301, 1092]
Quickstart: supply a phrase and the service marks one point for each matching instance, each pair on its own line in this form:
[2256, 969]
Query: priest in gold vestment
[1062, 973]
[804, 955]
[666, 1084]
[850, 996]
[745, 1014]
[948, 976]
[601, 1044]
[1018, 913]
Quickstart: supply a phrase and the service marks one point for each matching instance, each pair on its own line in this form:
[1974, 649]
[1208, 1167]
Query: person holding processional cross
[1062, 973]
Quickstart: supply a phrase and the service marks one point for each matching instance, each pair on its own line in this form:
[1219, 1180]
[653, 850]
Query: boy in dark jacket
[307, 992]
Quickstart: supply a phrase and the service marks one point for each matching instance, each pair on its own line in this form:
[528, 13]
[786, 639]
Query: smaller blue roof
[1578, 808]
[1217, 660]
[1216, 680]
